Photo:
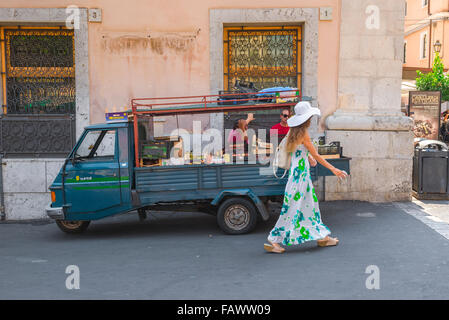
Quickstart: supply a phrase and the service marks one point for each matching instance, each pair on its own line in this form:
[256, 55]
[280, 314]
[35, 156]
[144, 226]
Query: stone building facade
[350, 65]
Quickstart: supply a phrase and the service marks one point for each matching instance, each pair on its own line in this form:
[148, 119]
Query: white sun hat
[303, 111]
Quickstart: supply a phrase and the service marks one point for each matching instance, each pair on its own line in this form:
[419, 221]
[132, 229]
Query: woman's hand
[339, 173]
[314, 153]
[312, 161]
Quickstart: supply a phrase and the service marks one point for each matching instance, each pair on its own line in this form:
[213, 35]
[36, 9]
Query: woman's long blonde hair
[296, 134]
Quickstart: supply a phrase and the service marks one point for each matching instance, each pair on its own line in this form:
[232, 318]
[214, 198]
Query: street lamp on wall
[437, 46]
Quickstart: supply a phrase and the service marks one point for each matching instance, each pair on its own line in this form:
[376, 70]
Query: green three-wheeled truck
[114, 169]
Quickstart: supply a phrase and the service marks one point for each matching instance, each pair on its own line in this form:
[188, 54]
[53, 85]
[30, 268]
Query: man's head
[285, 114]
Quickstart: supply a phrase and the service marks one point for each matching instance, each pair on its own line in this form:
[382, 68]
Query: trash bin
[431, 170]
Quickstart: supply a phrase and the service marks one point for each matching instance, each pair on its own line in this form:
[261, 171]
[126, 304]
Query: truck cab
[96, 178]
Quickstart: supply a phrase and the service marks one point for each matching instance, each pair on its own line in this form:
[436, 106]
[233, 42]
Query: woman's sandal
[271, 248]
[328, 243]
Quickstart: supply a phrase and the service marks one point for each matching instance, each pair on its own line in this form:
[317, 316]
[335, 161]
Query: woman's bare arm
[309, 145]
[249, 118]
[312, 161]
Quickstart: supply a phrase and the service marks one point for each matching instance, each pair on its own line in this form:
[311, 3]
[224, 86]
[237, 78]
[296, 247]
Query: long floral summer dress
[300, 218]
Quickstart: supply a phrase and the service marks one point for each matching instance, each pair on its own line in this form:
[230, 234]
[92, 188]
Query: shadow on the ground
[192, 224]
[129, 226]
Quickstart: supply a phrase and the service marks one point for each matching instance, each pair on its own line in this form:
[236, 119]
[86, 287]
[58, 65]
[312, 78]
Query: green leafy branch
[435, 80]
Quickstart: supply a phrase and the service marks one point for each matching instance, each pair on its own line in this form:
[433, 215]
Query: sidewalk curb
[433, 222]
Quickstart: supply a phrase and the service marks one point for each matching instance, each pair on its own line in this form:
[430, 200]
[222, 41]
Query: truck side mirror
[74, 159]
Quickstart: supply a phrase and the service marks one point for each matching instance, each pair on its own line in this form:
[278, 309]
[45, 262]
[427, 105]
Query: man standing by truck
[281, 129]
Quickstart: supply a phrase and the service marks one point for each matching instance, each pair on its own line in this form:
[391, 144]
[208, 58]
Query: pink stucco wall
[161, 48]
[440, 31]
[413, 50]
[415, 11]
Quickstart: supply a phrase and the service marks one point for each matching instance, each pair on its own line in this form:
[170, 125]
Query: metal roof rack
[215, 103]
[210, 104]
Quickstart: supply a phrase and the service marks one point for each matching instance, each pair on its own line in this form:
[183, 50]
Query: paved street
[186, 256]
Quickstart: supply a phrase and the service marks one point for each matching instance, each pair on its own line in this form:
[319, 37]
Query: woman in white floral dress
[300, 218]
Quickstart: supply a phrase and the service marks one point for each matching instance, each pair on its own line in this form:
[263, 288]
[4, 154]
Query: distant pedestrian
[300, 217]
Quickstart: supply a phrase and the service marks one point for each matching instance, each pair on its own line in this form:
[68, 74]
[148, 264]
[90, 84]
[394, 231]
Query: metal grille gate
[39, 92]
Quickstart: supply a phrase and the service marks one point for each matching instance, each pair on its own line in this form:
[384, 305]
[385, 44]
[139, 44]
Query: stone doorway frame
[58, 17]
[307, 17]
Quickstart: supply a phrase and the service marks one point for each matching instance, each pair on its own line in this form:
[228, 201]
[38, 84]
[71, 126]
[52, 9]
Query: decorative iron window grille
[40, 71]
[38, 92]
[266, 57]
[43, 137]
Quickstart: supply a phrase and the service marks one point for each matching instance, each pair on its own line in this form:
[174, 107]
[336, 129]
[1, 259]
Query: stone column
[368, 122]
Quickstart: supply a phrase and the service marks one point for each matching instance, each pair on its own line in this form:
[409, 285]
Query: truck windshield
[97, 144]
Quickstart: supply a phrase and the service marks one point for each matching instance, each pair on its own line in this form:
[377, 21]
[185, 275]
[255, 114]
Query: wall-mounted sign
[425, 108]
[94, 15]
[326, 13]
[116, 116]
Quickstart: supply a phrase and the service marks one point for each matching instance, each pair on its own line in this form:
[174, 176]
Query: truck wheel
[237, 216]
[72, 226]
